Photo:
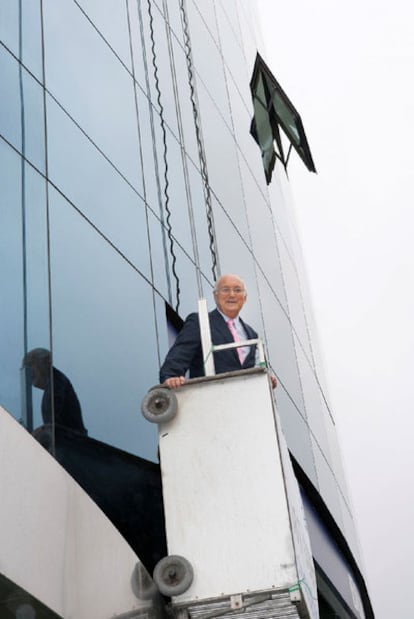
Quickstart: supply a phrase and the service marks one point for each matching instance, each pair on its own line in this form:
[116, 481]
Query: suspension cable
[164, 141]
[200, 143]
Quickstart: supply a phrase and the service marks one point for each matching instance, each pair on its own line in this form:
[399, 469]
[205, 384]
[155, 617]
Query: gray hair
[217, 284]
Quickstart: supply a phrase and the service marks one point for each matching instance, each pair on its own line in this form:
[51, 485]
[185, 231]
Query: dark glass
[25, 314]
[37, 285]
[104, 337]
[296, 432]
[11, 280]
[327, 485]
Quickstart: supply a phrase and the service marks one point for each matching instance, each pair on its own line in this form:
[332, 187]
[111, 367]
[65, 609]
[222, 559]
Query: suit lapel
[251, 335]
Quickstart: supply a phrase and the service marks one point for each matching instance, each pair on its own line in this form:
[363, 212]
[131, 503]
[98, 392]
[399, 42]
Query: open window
[276, 125]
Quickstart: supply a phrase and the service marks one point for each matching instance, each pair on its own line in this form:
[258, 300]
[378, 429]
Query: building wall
[96, 98]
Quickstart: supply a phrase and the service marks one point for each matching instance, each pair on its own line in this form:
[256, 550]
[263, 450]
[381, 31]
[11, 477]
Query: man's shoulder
[249, 329]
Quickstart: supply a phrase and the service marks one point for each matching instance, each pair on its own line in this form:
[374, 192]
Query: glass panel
[202, 22]
[88, 180]
[233, 54]
[187, 283]
[9, 25]
[296, 432]
[133, 9]
[11, 274]
[247, 147]
[201, 224]
[90, 83]
[103, 332]
[296, 309]
[263, 235]
[186, 108]
[160, 257]
[38, 334]
[110, 18]
[327, 486]
[222, 154]
[313, 403]
[249, 40]
[280, 345]
[263, 134]
[10, 108]
[32, 37]
[24, 286]
[233, 250]
[157, 53]
[153, 169]
[34, 135]
[286, 117]
[208, 62]
[177, 203]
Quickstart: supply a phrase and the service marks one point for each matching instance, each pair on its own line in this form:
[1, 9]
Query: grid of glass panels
[106, 135]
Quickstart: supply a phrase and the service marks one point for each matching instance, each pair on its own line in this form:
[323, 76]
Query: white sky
[348, 68]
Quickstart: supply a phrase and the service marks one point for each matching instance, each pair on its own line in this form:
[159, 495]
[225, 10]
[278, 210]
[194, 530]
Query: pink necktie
[236, 338]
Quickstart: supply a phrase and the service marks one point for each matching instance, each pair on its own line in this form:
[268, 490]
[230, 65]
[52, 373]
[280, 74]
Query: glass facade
[124, 135]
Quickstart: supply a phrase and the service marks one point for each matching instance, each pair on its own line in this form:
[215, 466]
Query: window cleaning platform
[236, 533]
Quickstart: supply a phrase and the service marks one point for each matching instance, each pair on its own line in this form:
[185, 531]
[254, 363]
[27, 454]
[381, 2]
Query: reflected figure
[67, 410]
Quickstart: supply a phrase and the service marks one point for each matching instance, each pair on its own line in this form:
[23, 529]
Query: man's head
[39, 361]
[230, 295]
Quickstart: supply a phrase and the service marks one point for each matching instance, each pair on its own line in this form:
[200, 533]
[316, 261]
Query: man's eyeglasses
[228, 290]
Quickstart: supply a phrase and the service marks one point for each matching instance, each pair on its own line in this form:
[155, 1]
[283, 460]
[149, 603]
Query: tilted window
[276, 125]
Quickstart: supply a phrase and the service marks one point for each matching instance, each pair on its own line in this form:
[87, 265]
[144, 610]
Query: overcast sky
[348, 67]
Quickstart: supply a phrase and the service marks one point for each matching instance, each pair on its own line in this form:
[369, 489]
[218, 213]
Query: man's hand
[273, 380]
[174, 381]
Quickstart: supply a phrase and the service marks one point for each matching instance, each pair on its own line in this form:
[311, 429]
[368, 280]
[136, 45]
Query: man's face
[230, 295]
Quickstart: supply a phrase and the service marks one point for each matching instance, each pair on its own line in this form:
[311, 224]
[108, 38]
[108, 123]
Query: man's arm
[181, 354]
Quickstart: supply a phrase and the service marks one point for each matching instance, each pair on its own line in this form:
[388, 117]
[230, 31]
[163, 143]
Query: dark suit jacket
[67, 408]
[186, 353]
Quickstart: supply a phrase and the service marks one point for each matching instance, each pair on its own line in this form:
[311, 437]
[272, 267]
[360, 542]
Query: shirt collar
[227, 318]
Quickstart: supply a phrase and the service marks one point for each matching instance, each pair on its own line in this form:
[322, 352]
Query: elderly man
[226, 326]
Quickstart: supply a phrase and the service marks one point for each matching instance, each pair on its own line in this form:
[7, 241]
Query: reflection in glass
[60, 404]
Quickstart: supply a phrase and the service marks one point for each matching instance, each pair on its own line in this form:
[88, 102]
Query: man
[226, 326]
[67, 410]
